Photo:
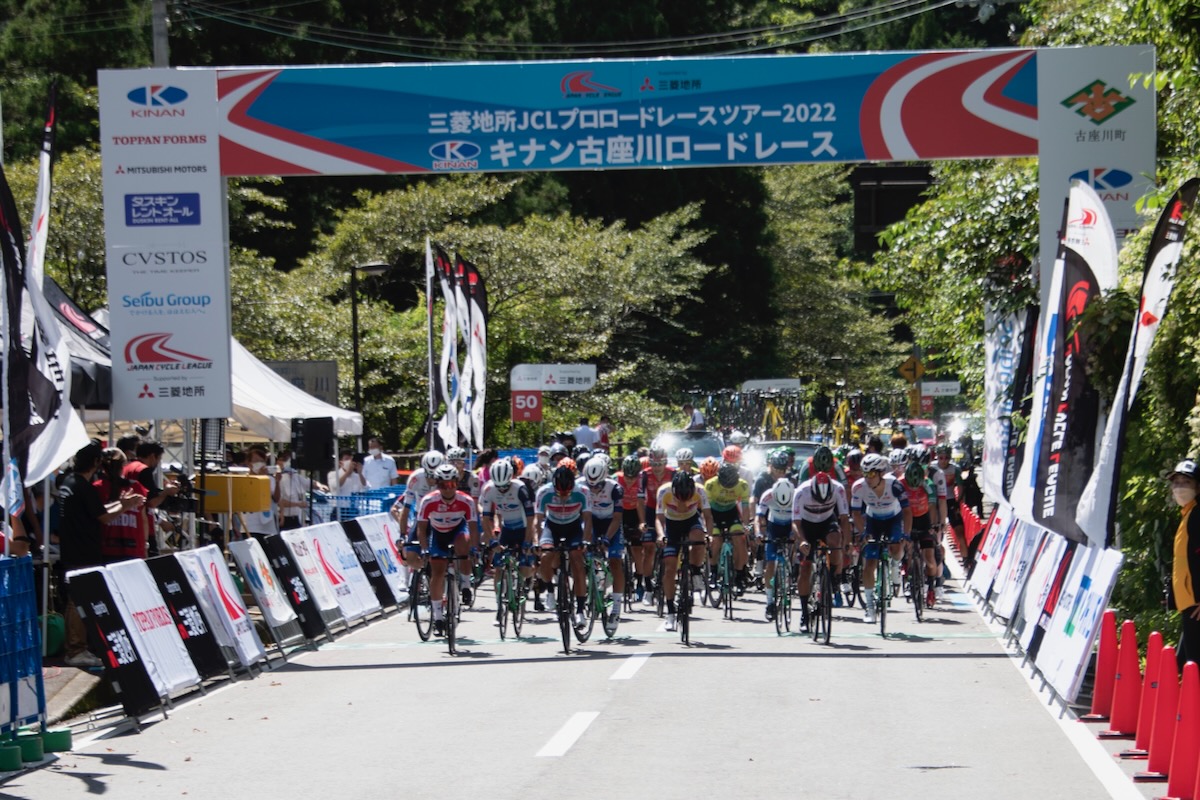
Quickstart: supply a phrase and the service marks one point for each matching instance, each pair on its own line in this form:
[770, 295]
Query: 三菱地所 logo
[455, 154]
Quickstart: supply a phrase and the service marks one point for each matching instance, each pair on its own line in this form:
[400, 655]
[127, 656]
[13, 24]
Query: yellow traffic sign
[912, 369]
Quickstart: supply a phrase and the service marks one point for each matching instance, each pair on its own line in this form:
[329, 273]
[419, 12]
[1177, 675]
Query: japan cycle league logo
[151, 352]
[582, 84]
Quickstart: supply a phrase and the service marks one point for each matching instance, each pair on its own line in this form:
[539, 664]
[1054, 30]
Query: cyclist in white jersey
[512, 502]
[880, 508]
[606, 497]
[820, 513]
[404, 510]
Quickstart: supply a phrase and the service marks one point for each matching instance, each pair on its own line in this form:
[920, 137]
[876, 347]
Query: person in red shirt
[653, 476]
[125, 535]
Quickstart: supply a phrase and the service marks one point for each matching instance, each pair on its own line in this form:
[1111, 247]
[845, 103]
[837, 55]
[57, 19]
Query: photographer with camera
[348, 477]
[144, 470]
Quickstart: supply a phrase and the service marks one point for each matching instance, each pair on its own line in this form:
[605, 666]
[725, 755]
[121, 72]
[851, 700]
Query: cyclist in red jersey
[652, 477]
[629, 479]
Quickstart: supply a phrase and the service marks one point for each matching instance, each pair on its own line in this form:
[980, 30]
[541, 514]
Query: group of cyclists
[849, 505]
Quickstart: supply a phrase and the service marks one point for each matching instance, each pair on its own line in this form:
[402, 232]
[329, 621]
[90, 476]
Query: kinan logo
[150, 352]
[455, 155]
[580, 84]
[1098, 102]
[1106, 181]
[157, 101]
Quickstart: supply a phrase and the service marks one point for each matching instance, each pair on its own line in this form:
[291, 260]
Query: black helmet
[728, 475]
[564, 478]
[631, 466]
[823, 459]
[683, 486]
[580, 450]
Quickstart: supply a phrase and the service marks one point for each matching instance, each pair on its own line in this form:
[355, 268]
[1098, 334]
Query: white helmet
[898, 457]
[873, 462]
[456, 454]
[445, 472]
[595, 470]
[502, 473]
[684, 454]
[431, 461]
[738, 438]
[534, 475]
[782, 494]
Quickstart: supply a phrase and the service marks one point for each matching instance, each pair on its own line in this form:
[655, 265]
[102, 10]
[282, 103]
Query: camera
[184, 501]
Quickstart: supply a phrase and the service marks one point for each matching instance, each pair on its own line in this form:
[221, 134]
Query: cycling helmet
[534, 475]
[898, 457]
[823, 459]
[558, 450]
[595, 471]
[445, 472]
[738, 438]
[919, 453]
[732, 454]
[873, 462]
[728, 475]
[431, 460]
[822, 488]
[854, 459]
[684, 454]
[782, 494]
[683, 486]
[580, 450]
[944, 450]
[518, 464]
[914, 474]
[778, 458]
[564, 478]
[502, 473]
[456, 454]
[631, 466]
[569, 463]
[658, 456]
[708, 468]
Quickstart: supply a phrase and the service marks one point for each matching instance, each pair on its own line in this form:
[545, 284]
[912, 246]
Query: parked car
[754, 455]
[702, 444]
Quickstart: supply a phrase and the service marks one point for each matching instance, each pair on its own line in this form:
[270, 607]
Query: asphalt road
[935, 710]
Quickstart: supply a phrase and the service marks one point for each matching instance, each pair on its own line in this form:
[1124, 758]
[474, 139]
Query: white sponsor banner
[341, 566]
[1063, 655]
[382, 532]
[940, 388]
[990, 554]
[303, 554]
[1093, 126]
[256, 569]
[151, 627]
[164, 219]
[1041, 578]
[221, 602]
[553, 377]
[1021, 552]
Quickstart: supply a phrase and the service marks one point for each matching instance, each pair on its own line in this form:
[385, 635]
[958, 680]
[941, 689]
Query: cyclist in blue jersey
[562, 511]
[880, 508]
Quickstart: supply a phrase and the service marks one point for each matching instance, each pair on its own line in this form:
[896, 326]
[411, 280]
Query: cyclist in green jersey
[729, 497]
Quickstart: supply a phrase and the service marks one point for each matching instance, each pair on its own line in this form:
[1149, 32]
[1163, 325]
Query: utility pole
[162, 51]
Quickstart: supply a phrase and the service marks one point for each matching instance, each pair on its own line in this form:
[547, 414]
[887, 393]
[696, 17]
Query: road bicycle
[599, 592]
[883, 585]
[820, 602]
[914, 579]
[563, 597]
[657, 572]
[782, 584]
[852, 576]
[722, 590]
[420, 604]
[683, 587]
[510, 592]
[630, 575]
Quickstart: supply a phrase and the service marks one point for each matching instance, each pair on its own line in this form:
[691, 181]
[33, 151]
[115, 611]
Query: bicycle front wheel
[590, 602]
[684, 593]
[725, 579]
[420, 604]
[563, 602]
[884, 595]
[826, 614]
[516, 601]
[916, 583]
[453, 604]
[502, 592]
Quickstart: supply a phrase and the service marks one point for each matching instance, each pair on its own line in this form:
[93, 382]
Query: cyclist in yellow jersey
[680, 505]
[729, 496]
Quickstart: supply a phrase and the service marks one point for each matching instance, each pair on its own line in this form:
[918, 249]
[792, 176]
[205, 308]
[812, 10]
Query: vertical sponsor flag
[448, 371]
[1002, 348]
[1069, 416]
[1021, 398]
[477, 348]
[466, 386]
[1097, 505]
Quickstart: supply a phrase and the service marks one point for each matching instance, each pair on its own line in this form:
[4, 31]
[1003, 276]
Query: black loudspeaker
[312, 443]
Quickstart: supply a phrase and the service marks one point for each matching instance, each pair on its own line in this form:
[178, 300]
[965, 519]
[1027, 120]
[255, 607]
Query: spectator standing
[144, 470]
[585, 435]
[695, 418]
[80, 534]
[1185, 569]
[379, 469]
[348, 477]
[125, 536]
[293, 493]
[604, 432]
[262, 523]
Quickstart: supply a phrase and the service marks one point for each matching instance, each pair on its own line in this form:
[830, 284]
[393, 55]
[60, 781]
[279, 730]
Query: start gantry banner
[170, 135]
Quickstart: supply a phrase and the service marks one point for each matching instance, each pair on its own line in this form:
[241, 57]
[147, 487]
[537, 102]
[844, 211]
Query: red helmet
[732, 453]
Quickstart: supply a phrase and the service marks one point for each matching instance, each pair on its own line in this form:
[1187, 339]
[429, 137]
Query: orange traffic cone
[1127, 687]
[1162, 738]
[1145, 724]
[1181, 775]
[1106, 669]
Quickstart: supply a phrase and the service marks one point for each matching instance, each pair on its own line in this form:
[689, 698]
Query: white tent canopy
[266, 403]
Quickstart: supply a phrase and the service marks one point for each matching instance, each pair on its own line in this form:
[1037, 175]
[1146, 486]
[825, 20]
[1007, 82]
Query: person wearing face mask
[1185, 571]
[262, 523]
[380, 468]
